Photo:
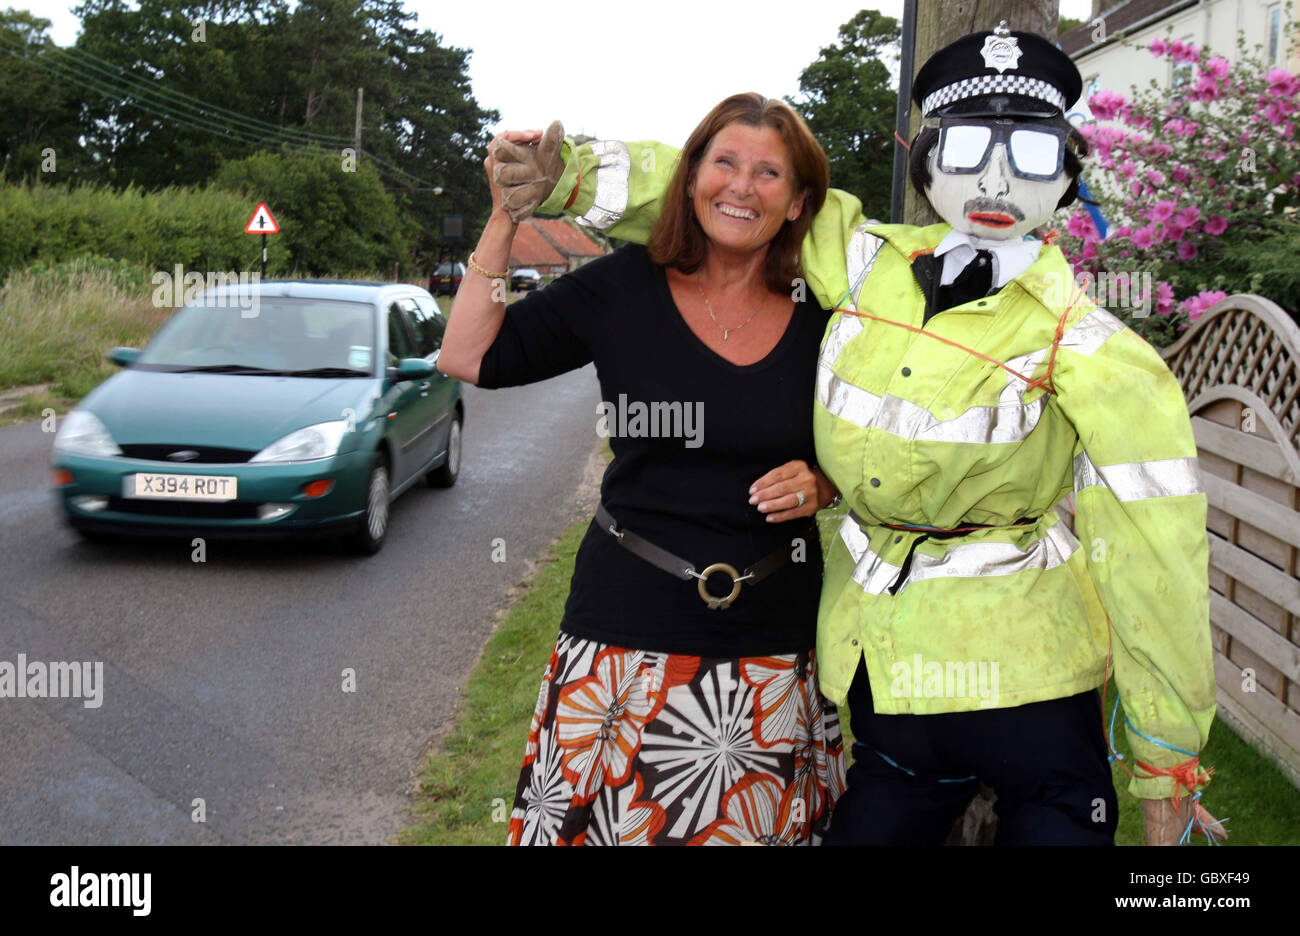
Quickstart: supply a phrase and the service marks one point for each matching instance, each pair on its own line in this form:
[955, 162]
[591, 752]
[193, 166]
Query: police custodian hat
[1016, 74]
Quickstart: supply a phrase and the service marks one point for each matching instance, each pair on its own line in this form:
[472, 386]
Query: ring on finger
[799, 494]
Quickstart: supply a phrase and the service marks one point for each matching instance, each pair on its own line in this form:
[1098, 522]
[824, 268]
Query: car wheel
[445, 474]
[369, 536]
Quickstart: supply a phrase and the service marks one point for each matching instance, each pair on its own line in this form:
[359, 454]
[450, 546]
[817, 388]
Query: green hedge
[200, 229]
[332, 220]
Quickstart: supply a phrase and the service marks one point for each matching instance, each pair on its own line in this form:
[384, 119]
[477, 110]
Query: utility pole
[938, 24]
[356, 133]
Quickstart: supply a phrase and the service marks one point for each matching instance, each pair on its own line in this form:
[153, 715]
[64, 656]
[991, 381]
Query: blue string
[911, 773]
[1196, 821]
[1133, 729]
[861, 276]
[1114, 753]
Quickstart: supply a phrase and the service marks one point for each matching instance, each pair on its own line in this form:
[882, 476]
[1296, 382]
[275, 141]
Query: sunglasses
[1035, 151]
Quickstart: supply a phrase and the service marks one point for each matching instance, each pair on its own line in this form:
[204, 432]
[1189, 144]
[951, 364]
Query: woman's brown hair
[678, 240]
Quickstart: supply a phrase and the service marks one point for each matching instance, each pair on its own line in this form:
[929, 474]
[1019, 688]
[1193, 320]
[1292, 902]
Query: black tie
[973, 282]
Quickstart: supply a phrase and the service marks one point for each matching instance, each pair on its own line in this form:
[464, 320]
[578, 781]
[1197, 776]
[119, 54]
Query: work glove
[528, 172]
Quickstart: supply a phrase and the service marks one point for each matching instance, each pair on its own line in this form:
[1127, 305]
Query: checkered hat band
[993, 84]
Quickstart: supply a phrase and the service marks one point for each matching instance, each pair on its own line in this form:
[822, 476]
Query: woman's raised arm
[480, 304]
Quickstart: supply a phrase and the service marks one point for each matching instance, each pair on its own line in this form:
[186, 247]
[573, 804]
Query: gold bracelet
[487, 273]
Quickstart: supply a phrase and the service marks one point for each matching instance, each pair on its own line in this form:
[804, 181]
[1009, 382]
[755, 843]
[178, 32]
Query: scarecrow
[966, 387]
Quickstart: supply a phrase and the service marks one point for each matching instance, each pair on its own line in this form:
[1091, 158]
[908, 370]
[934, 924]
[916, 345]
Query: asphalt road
[223, 679]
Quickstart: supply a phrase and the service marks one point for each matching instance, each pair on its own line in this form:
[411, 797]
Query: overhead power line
[237, 128]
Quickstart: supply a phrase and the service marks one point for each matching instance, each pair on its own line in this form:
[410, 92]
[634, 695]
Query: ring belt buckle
[715, 602]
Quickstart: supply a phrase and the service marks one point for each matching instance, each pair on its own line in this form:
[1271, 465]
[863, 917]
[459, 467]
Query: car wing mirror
[414, 369]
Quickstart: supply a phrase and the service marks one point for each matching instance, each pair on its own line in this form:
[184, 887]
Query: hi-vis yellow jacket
[917, 432]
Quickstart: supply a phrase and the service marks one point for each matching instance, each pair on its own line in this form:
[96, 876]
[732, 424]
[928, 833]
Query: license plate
[179, 487]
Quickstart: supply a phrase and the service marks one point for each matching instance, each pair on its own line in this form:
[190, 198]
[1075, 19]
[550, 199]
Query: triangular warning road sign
[262, 222]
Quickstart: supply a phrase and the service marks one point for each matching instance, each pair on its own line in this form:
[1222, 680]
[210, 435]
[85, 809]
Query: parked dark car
[525, 279]
[446, 279]
[308, 417]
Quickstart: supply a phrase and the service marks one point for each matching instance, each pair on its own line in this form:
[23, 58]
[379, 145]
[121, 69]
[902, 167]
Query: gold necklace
[709, 308]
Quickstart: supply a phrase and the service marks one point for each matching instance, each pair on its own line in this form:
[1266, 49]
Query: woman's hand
[527, 166]
[777, 492]
[499, 155]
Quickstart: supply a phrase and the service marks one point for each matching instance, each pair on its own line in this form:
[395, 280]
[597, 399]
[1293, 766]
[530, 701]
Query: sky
[627, 71]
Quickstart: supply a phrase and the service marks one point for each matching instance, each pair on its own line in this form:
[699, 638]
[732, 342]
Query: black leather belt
[675, 565]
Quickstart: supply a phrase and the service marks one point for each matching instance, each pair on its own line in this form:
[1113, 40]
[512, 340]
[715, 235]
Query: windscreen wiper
[328, 372]
[229, 369]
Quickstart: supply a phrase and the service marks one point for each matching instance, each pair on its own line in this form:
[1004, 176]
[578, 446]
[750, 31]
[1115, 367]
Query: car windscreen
[279, 335]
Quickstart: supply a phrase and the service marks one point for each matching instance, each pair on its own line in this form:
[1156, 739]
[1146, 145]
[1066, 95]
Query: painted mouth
[992, 219]
[740, 214]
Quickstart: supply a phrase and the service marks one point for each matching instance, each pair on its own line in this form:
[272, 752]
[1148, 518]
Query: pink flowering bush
[1200, 186]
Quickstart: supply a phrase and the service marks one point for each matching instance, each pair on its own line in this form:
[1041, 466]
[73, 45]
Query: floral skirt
[632, 747]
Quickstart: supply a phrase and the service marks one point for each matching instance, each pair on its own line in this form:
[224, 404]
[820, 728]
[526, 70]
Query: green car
[286, 407]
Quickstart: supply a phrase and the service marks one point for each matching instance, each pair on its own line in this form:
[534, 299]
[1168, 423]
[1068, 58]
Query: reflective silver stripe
[613, 168]
[1130, 481]
[1011, 420]
[845, 329]
[1090, 332]
[859, 258]
[870, 571]
[963, 560]
[843, 399]
[971, 560]
[905, 419]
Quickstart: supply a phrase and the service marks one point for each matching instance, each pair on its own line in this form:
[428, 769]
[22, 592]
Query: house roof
[1118, 16]
[531, 249]
[567, 239]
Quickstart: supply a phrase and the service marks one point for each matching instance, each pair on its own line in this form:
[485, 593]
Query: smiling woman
[753, 176]
[681, 704]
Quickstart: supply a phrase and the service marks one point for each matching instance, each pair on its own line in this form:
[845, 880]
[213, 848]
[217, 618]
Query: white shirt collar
[1010, 257]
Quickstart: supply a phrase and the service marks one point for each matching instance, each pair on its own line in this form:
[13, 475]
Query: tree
[849, 97]
[334, 222]
[175, 88]
[38, 116]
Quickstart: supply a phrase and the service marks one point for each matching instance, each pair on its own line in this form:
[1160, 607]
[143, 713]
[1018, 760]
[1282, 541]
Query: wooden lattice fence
[1239, 367]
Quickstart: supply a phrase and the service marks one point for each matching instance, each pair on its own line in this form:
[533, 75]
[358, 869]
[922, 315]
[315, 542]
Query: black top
[689, 492]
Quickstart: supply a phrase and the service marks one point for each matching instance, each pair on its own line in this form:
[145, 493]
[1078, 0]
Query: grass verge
[467, 787]
[58, 322]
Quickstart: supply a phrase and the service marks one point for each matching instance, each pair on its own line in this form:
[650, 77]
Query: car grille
[208, 454]
[192, 510]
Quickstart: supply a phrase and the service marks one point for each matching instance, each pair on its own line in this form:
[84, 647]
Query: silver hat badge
[1001, 51]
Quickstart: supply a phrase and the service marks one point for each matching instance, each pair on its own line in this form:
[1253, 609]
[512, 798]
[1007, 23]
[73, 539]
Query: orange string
[902, 141]
[573, 196]
[1030, 383]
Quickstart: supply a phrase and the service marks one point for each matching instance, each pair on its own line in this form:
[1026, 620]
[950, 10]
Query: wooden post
[938, 24]
[356, 132]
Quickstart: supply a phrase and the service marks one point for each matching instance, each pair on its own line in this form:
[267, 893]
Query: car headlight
[82, 433]
[319, 441]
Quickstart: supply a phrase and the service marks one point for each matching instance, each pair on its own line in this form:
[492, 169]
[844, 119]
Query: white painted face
[993, 203]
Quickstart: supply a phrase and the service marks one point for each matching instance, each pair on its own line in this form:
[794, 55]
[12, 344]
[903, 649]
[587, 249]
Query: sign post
[262, 222]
